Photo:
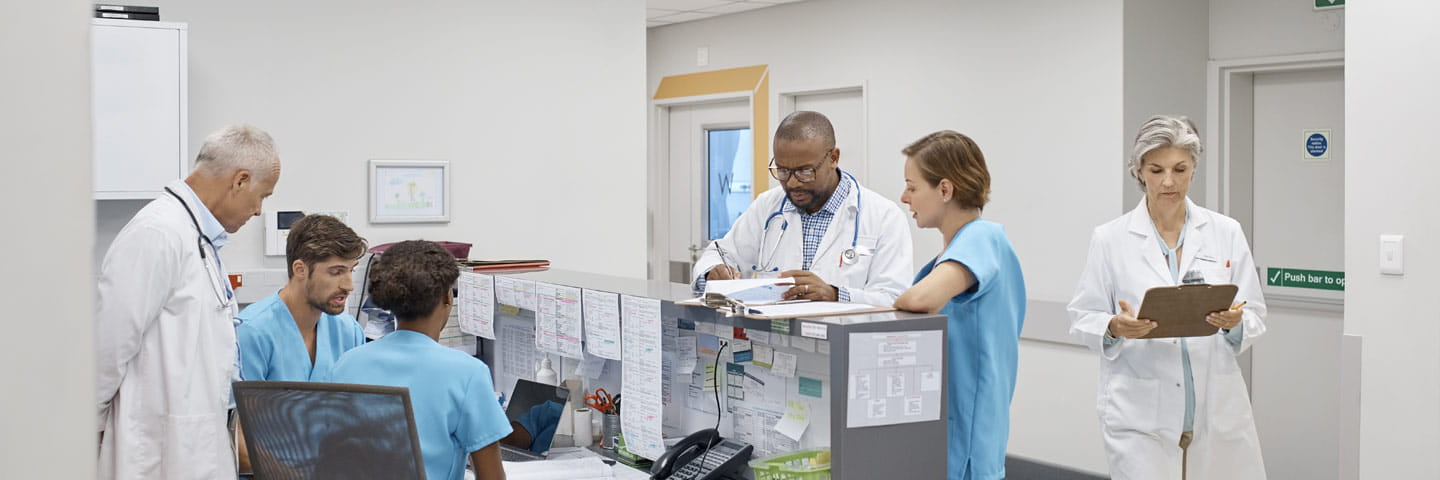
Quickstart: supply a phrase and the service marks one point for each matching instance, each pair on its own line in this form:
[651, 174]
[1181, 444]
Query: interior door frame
[659, 168]
[1230, 103]
[787, 106]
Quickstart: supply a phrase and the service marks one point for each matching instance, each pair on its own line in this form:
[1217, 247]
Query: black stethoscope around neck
[222, 293]
[848, 257]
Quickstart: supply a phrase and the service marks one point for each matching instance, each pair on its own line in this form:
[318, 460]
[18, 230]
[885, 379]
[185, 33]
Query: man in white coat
[164, 331]
[849, 244]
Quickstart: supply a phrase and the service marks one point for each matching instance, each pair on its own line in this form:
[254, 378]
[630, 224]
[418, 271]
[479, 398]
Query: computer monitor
[329, 430]
[535, 407]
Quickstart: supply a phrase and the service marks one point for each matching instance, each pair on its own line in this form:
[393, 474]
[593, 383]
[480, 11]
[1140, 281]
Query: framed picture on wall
[409, 191]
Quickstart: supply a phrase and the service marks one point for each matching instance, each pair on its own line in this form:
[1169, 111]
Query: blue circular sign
[1317, 144]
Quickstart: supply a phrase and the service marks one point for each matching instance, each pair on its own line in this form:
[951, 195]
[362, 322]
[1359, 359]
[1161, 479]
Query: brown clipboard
[1180, 311]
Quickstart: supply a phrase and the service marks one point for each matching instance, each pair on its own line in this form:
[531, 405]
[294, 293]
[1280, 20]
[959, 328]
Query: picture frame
[409, 191]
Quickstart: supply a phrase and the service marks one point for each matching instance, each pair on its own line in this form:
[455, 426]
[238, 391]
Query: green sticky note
[811, 387]
[780, 326]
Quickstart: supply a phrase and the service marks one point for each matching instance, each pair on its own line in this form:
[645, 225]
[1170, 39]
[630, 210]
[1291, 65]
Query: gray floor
[1023, 469]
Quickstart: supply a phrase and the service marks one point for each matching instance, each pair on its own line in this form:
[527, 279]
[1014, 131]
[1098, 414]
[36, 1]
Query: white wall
[1038, 84]
[1391, 103]
[1264, 28]
[1165, 54]
[539, 107]
[47, 410]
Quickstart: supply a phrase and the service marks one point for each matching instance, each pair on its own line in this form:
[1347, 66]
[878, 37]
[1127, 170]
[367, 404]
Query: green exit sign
[1315, 279]
[1328, 4]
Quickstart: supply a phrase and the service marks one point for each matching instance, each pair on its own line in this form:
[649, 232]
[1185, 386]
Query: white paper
[797, 418]
[525, 295]
[822, 347]
[591, 367]
[505, 291]
[558, 319]
[477, 304]
[750, 291]
[642, 376]
[763, 355]
[516, 355]
[784, 365]
[894, 378]
[688, 356]
[758, 336]
[738, 345]
[818, 331]
[602, 323]
[705, 328]
[803, 344]
[810, 309]
[930, 381]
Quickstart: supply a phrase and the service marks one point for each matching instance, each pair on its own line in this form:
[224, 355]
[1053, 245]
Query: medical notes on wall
[894, 378]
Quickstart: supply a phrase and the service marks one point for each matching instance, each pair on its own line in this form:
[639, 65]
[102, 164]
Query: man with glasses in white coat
[164, 334]
[834, 239]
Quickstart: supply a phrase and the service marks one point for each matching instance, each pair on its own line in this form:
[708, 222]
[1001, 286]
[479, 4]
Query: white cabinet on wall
[139, 104]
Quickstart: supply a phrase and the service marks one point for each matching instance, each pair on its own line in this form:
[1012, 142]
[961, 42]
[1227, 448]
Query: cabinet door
[137, 101]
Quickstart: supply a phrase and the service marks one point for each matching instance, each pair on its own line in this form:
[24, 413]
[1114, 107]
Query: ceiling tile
[734, 7]
[683, 4]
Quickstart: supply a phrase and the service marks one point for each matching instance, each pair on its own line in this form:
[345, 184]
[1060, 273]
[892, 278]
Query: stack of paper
[750, 291]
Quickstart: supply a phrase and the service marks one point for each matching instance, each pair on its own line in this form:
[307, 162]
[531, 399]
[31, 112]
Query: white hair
[1161, 131]
[238, 147]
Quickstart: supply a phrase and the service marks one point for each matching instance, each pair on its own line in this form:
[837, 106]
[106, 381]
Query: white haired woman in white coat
[1170, 408]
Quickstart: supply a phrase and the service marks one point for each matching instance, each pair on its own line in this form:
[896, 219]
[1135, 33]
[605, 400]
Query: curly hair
[410, 277]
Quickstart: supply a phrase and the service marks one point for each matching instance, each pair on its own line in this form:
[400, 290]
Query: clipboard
[1180, 311]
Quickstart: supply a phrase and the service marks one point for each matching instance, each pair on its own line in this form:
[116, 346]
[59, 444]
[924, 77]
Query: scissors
[600, 401]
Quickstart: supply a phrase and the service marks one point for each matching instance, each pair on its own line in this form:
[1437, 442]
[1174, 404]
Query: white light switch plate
[1392, 254]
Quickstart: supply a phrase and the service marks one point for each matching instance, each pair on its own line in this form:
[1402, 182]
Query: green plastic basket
[800, 465]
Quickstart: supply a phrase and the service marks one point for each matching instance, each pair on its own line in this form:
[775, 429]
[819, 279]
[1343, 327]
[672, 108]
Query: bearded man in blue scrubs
[297, 333]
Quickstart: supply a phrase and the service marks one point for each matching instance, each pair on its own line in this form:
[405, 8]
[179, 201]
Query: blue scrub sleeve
[481, 422]
[255, 351]
[976, 249]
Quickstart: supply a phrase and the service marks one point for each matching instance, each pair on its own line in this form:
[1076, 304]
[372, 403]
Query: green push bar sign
[1315, 279]
[1328, 4]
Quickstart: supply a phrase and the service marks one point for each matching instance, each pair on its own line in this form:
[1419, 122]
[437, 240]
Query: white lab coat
[165, 351]
[885, 265]
[1141, 387]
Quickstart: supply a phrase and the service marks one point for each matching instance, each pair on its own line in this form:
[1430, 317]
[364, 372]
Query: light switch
[1392, 254]
[702, 56]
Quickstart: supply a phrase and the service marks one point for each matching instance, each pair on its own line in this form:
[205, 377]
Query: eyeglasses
[804, 175]
[454, 293]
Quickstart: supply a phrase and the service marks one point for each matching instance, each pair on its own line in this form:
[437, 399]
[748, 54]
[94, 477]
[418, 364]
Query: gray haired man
[164, 338]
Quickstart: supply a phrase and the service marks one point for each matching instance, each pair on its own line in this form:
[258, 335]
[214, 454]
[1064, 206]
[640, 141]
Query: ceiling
[665, 12]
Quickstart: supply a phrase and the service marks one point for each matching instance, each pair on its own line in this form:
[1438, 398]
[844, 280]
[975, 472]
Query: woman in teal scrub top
[452, 393]
[976, 281]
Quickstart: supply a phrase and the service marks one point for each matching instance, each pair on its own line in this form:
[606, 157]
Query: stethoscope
[217, 283]
[848, 257]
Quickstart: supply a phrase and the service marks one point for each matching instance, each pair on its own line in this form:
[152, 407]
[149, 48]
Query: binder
[154, 17]
[104, 7]
[1180, 311]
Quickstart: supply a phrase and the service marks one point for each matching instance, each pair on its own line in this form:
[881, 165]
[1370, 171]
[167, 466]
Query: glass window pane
[730, 178]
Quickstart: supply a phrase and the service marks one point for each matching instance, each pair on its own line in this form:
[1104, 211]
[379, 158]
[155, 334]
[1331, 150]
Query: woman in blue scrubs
[976, 281]
[452, 393]
[297, 333]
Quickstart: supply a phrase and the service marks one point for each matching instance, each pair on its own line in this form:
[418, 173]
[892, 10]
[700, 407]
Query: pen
[723, 261]
[1237, 307]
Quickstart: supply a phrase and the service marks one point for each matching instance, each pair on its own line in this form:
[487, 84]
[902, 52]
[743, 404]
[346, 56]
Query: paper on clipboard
[813, 309]
[1180, 311]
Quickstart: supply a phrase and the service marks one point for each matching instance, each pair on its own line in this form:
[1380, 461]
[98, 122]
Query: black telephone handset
[702, 455]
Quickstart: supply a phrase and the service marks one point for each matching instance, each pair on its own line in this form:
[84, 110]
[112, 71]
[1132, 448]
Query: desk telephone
[703, 455]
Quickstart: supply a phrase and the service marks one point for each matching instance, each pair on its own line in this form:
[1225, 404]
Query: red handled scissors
[600, 401]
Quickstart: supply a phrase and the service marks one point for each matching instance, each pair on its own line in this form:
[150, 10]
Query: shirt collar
[209, 225]
[832, 206]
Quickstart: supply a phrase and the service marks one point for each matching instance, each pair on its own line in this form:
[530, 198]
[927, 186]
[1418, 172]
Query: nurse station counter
[870, 388]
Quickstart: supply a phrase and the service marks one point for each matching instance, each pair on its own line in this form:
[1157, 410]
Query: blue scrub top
[451, 393]
[984, 339]
[541, 421]
[271, 347]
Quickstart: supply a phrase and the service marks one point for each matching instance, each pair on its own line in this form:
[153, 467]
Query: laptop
[525, 396]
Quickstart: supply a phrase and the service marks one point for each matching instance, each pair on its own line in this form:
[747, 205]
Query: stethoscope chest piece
[849, 256]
